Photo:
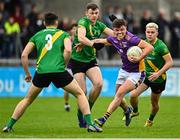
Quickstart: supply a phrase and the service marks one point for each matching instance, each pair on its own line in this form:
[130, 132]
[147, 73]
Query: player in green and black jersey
[53, 52]
[83, 63]
[156, 63]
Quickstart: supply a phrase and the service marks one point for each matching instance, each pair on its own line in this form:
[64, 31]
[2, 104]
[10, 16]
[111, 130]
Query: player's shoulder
[112, 39]
[57, 31]
[160, 43]
[83, 20]
[99, 22]
[129, 35]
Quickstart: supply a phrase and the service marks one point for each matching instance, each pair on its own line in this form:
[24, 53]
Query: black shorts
[59, 79]
[78, 67]
[156, 88]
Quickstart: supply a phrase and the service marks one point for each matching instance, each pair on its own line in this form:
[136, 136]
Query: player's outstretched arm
[104, 41]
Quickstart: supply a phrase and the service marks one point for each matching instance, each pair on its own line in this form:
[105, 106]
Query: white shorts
[135, 77]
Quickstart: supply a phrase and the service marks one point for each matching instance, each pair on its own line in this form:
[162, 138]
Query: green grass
[46, 118]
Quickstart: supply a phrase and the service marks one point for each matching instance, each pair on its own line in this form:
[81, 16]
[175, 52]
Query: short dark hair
[50, 18]
[117, 23]
[91, 6]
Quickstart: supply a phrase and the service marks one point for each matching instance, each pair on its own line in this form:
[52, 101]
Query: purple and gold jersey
[122, 46]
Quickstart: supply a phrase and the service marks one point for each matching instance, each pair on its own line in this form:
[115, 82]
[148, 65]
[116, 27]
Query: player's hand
[153, 76]
[133, 59]
[79, 47]
[28, 78]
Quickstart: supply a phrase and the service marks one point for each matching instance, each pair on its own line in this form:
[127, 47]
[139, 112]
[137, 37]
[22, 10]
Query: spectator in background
[129, 17]
[39, 23]
[145, 19]
[162, 23]
[3, 12]
[66, 22]
[136, 28]
[107, 52]
[24, 32]
[18, 16]
[12, 30]
[1, 34]
[27, 6]
[106, 20]
[32, 20]
[60, 24]
[175, 35]
[118, 12]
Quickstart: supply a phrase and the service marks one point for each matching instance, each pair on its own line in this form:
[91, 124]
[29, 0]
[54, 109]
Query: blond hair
[152, 25]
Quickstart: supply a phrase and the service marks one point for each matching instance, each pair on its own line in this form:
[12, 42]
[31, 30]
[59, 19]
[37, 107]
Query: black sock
[135, 109]
[151, 117]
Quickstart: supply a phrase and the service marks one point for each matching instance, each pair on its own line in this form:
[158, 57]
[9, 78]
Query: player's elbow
[171, 63]
[67, 51]
[24, 55]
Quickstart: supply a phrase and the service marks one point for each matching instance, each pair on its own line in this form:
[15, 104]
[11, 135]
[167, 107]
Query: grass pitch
[46, 117]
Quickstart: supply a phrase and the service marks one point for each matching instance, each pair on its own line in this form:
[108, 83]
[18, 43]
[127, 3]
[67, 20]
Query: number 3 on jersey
[49, 42]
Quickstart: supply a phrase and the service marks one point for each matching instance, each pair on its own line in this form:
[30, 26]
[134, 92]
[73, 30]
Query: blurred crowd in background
[20, 21]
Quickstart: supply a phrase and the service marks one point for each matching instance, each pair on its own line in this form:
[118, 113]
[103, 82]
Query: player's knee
[155, 105]
[98, 85]
[119, 96]
[133, 94]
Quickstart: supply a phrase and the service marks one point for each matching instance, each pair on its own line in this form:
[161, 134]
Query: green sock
[11, 122]
[135, 109]
[90, 104]
[88, 119]
[151, 117]
[80, 115]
